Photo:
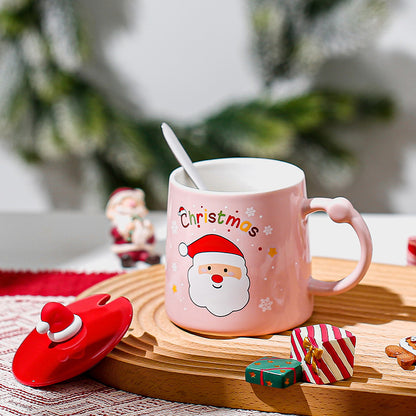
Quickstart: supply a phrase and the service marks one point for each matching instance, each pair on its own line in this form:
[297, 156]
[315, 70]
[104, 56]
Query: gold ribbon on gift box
[312, 354]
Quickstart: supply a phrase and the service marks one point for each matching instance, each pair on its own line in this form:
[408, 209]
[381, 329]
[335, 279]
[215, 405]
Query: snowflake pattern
[268, 229]
[250, 212]
[174, 227]
[174, 267]
[266, 304]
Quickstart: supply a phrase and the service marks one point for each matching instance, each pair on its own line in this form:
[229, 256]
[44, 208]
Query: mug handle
[341, 210]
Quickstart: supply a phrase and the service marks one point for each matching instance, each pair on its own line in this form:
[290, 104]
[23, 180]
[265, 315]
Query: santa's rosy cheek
[230, 274]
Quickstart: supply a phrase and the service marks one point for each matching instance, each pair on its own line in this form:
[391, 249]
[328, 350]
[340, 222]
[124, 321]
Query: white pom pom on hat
[183, 249]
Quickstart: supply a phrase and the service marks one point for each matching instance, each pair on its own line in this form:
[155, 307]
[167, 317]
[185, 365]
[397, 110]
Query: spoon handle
[182, 156]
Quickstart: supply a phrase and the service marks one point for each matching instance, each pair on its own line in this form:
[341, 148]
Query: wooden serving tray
[158, 359]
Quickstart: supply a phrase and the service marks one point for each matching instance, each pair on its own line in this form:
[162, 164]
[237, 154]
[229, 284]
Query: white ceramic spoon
[182, 156]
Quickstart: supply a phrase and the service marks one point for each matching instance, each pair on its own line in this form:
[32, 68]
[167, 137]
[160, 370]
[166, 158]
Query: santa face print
[219, 287]
[218, 272]
[218, 281]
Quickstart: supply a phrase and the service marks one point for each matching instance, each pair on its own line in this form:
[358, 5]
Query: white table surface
[79, 241]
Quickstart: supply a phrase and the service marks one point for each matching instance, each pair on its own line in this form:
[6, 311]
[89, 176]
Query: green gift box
[274, 372]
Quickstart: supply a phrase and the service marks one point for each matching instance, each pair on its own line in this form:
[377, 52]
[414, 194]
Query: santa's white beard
[122, 222]
[220, 299]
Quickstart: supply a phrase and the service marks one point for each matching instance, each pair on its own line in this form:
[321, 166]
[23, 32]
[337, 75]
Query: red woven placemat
[49, 282]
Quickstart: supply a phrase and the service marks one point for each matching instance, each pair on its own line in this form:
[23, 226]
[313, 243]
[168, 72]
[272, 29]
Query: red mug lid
[62, 347]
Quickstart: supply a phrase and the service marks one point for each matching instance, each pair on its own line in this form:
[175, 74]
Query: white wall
[386, 178]
[183, 59]
[180, 59]
[20, 185]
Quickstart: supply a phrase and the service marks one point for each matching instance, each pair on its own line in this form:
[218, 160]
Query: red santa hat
[212, 248]
[120, 193]
[58, 322]
[411, 251]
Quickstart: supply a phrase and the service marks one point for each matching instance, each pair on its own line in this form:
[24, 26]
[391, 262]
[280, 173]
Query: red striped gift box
[325, 351]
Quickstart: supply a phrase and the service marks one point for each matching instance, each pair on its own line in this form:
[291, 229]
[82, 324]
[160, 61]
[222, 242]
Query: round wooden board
[158, 359]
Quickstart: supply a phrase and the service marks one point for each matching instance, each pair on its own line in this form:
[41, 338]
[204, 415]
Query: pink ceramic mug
[237, 255]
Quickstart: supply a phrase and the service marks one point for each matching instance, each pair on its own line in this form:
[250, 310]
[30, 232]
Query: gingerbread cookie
[405, 358]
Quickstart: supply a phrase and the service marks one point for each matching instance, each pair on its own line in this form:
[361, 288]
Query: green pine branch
[292, 130]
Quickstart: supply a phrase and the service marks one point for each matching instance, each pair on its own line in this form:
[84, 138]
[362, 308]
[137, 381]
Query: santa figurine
[133, 233]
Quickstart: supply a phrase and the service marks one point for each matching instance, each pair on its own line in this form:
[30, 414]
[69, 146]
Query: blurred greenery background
[53, 109]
